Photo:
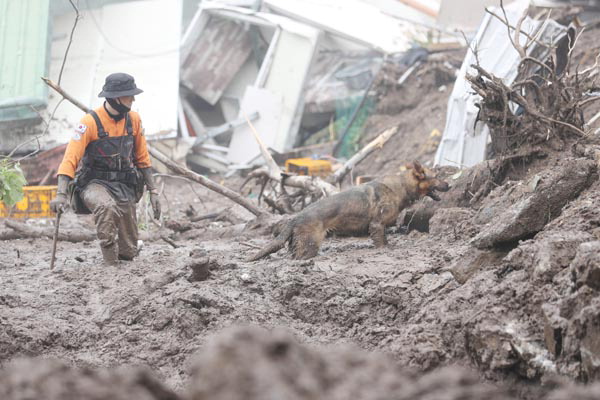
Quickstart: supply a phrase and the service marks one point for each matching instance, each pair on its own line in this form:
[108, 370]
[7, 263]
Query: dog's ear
[418, 170]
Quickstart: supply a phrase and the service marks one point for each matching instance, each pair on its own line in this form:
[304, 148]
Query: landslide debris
[51, 379]
[250, 363]
[520, 314]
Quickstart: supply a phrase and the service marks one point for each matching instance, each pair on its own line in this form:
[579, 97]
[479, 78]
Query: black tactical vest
[109, 158]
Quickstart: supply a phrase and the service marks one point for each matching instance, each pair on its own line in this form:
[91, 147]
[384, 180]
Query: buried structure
[498, 299]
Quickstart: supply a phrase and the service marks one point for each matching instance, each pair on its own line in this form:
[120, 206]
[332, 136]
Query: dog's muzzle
[441, 186]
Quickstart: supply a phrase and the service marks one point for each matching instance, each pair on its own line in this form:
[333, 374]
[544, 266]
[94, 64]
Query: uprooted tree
[546, 102]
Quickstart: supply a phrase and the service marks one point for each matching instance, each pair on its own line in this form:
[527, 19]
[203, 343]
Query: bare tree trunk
[69, 235]
[20, 230]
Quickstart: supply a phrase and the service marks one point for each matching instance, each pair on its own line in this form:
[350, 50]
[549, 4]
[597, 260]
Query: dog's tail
[276, 244]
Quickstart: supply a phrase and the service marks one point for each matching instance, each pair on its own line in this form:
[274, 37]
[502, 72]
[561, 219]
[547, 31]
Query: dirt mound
[521, 309]
[251, 363]
[55, 380]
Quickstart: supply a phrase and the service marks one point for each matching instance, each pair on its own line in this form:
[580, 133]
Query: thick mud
[497, 298]
[518, 319]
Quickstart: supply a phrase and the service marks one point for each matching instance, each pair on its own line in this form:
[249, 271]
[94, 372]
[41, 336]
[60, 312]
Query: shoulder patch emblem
[81, 128]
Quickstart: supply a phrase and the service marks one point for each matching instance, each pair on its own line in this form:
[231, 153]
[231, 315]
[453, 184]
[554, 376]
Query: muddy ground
[497, 300]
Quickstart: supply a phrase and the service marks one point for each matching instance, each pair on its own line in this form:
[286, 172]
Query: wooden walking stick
[55, 239]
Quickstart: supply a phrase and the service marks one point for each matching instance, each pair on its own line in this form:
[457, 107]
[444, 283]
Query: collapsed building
[500, 283]
[299, 72]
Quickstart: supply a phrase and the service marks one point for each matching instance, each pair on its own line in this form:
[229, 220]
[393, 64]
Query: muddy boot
[109, 254]
[125, 257]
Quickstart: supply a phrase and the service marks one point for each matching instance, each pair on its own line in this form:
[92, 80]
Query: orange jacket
[87, 132]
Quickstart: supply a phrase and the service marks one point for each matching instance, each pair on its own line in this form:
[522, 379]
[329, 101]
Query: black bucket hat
[119, 84]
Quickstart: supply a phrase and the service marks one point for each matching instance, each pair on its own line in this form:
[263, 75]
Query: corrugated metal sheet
[24, 41]
[215, 58]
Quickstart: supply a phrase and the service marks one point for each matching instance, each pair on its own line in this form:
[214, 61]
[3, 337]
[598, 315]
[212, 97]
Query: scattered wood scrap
[311, 188]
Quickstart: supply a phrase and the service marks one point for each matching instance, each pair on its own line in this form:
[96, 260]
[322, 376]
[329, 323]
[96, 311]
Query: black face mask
[121, 108]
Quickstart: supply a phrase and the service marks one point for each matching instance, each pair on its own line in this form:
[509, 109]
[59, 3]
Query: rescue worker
[105, 167]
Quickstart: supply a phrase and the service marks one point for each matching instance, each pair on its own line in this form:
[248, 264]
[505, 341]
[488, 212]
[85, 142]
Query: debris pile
[500, 277]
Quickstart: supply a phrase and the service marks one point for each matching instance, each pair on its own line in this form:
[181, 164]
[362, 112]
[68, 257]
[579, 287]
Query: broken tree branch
[375, 144]
[199, 218]
[533, 39]
[215, 187]
[311, 184]
[274, 170]
[506, 22]
[170, 241]
[517, 41]
[77, 18]
[65, 95]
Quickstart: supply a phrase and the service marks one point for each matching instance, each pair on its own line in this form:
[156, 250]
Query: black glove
[155, 204]
[149, 179]
[61, 202]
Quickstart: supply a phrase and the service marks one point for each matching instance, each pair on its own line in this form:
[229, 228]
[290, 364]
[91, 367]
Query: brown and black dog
[367, 208]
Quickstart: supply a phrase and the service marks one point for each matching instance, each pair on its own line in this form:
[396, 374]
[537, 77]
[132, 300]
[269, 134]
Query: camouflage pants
[116, 223]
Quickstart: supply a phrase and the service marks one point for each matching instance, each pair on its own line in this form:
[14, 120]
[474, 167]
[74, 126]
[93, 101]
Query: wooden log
[20, 230]
[68, 235]
[10, 234]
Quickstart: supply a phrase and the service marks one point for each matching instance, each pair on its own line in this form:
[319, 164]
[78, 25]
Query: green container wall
[24, 52]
